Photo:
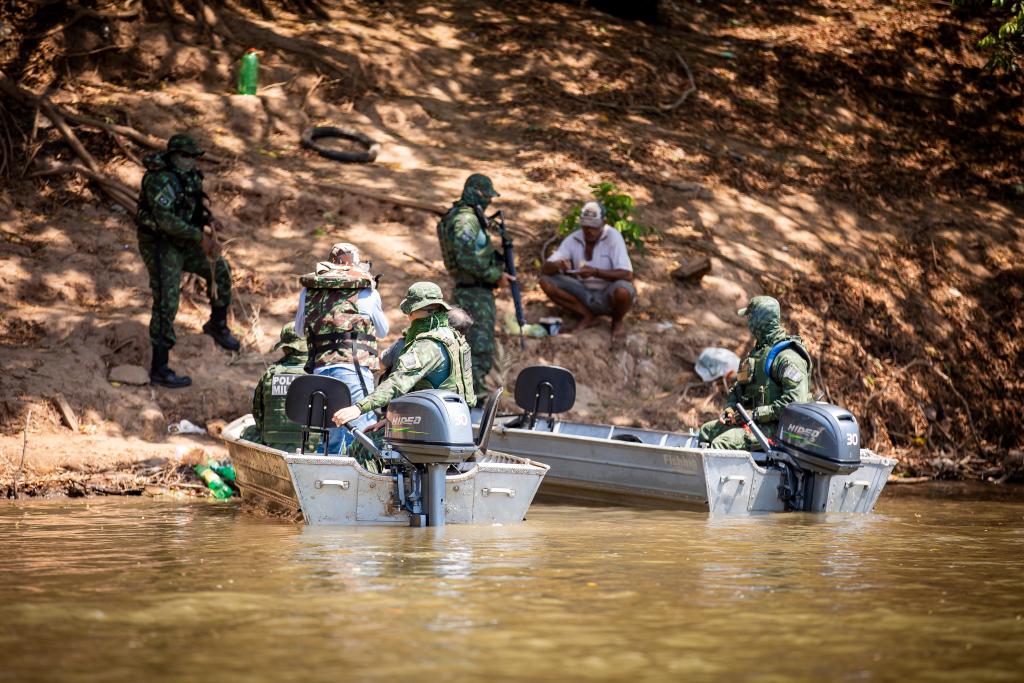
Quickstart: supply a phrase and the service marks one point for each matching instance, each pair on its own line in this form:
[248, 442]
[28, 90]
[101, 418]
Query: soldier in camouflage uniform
[170, 224]
[435, 356]
[776, 373]
[476, 266]
[273, 427]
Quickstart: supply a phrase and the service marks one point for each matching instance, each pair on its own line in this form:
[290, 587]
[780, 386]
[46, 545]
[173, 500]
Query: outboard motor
[814, 442]
[428, 430]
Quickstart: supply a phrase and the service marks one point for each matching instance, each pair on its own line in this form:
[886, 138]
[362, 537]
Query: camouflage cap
[478, 186]
[344, 248]
[421, 295]
[184, 143]
[762, 306]
[290, 339]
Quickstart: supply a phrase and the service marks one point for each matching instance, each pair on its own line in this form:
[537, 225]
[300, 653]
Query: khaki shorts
[597, 301]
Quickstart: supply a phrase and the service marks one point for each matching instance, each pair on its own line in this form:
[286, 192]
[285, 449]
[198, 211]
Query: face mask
[183, 163]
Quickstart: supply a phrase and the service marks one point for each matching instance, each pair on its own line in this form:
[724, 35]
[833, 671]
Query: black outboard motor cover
[820, 437]
[430, 426]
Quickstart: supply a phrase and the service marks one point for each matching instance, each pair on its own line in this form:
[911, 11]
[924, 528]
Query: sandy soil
[849, 158]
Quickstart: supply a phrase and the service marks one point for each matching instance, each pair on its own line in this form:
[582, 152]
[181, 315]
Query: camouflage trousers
[166, 261]
[731, 437]
[479, 303]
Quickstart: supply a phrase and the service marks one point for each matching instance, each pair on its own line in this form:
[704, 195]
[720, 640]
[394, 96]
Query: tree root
[117, 191]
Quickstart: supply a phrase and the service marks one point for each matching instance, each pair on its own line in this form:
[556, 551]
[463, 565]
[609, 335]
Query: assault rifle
[510, 268]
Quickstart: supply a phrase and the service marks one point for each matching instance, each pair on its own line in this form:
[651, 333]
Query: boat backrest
[314, 399]
[487, 419]
[545, 389]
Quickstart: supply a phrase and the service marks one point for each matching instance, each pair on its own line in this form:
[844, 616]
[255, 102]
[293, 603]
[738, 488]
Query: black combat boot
[163, 376]
[217, 327]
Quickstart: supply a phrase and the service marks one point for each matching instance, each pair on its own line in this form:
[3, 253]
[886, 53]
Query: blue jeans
[340, 437]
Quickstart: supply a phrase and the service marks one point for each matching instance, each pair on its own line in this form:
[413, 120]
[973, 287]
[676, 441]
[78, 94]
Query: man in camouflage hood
[775, 374]
[435, 356]
[171, 221]
[476, 266]
[273, 427]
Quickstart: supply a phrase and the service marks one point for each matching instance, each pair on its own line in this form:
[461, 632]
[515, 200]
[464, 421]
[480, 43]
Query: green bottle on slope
[213, 481]
[249, 72]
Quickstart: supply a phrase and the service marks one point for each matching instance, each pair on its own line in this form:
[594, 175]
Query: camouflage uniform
[776, 373]
[273, 427]
[170, 223]
[475, 265]
[435, 356]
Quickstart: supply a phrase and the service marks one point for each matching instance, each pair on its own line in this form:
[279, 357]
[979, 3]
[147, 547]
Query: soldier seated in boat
[776, 373]
[273, 428]
[434, 356]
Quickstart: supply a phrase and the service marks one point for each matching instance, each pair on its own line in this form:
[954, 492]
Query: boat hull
[489, 489]
[667, 470]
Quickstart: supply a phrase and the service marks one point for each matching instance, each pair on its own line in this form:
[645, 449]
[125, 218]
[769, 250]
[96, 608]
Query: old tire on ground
[311, 135]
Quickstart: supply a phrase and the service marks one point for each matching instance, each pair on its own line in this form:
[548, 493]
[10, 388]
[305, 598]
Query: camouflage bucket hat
[421, 295]
[184, 143]
[290, 339]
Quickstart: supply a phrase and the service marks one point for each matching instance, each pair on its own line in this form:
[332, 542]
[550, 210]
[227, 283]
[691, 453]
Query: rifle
[510, 268]
[204, 217]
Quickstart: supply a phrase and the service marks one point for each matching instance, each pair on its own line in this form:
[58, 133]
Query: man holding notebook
[590, 273]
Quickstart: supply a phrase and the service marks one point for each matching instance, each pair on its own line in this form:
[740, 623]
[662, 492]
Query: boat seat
[487, 419]
[545, 389]
[315, 396]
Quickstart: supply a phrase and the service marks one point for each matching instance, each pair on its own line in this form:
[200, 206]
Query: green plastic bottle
[249, 73]
[225, 469]
[213, 481]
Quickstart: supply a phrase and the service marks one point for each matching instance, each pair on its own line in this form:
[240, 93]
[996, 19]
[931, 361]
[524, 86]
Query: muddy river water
[136, 590]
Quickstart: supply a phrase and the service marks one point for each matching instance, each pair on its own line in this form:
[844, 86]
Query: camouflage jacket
[420, 367]
[171, 201]
[771, 377]
[335, 331]
[466, 247]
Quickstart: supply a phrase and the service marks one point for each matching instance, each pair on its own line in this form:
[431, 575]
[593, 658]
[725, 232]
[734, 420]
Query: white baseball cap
[592, 215]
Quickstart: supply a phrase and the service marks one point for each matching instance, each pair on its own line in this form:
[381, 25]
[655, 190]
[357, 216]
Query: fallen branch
[24, 448]
[381, 197]
[692, 88]
[84, 12]
[422, 262]
[117, 191]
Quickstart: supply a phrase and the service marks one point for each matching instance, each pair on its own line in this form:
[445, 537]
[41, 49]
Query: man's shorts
[597, 301]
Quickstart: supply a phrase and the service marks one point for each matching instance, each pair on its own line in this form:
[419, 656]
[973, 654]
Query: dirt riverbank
[851, 158]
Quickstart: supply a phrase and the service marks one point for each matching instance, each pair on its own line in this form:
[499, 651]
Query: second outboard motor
[814, 442]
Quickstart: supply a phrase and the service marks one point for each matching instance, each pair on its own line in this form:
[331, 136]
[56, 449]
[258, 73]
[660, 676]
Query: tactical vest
[460, 364]
[186, 202]
[335, 331]
[758, 384]
[447, 243]
[277, 430]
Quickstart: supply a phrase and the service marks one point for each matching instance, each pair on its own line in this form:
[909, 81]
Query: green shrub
[1005, 45]
[619, 213]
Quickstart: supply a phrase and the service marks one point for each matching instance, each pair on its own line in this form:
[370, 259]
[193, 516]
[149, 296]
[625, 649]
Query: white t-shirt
[609, 254]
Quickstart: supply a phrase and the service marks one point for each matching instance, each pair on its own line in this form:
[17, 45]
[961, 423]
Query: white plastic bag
[715, 362]
[184, 427]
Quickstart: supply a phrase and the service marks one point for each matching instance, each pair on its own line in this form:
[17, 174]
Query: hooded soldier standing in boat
[435, 355]
[171, 221]
[273, 428]
[776, 373]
